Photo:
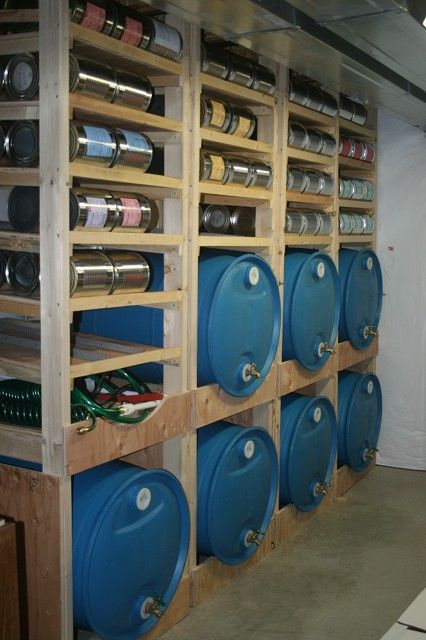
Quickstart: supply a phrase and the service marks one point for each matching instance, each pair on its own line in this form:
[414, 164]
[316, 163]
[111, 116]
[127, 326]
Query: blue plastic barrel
[361, 296]
[237, 486]
[360, 416]
[311, 307]
[130, 542]
[238, 322]
[308, 449]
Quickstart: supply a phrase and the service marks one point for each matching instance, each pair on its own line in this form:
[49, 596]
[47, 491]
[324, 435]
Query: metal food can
[200, 217]
[238, 171]
[295, 222]
[360, 114]
[91, 273]
[22, 143]
[241, 71]
[23, 208]
[3, 261]
[2, 139]
[131, 271]
[369, 224]
[92, 209]
[313, 223]
[370, 190]
[264, 80]
[243, 122]
[315, 100]
[215, 113]
[346, 147]
[216, 218]
[213, 167]
[23, 272]
[346, 108]
[315, 140]
[327, 184]
[314, 182]
[297, 135]
[359, 224]
[97, 15]
[128, 26]
[329, 145]
[297, 179]
[135, 211]
[92, 78]
[161, 39]
[360, 189]
[346, 223]
[93, 143]
[261, 175]
[346, 188]
[21, 76]
[298, 92]
[326, 224]
[243, 221]
[214, 62]
[370, 152]
[133, 90]
[134, 149]
[359, 149]
[329, 105]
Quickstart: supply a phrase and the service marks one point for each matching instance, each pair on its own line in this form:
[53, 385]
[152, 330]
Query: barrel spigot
[152, 606]
[322, 488]
[325, 347]
[370, 453]
[371, 330]
[250, 370]
[254, 535]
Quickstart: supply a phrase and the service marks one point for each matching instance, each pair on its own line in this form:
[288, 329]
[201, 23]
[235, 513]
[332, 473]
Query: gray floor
[347, 575]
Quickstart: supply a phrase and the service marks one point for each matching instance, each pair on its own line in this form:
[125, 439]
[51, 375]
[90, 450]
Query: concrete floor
[347, 575]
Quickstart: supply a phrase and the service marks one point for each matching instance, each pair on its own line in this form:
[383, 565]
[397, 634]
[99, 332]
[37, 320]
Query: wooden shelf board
[234, 242]
[307, 157]
[122, 175]
[225, 140]
[147, 298]
[351, 127]
[292, 376]
[156, 242]
[310, 116]
[11, 303]
[295, 240]
[358, 165]
[17, 176]
[23, 443]
[356, 239]
[25, 110]
[20, 362]
[115, 113]
[18, 43]
[19, 15]
[309, 198]
[238, 93]
[107, 50]
[81, 367]
[348, 356]
[16, 241]
[356, 204]
[347, 478]
[236, 191]
[211, 403]
[111, 440]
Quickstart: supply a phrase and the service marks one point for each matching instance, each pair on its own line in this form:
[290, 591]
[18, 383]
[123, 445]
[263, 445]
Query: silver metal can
[93, 143]
[131, 271]
[261, 175]
[23, 272]
[91, 274]
[243, 221]
[133, 90]
[92, 78]
[216, 218]
[134, 149]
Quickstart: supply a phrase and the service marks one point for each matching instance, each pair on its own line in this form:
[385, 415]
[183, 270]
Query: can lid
[22, 143]
[23, 208]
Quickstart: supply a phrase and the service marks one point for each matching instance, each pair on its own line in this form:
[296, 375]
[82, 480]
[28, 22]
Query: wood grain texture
[292, 376]
[348, 478]
[348, 356]
[9, 596]
[178, 609]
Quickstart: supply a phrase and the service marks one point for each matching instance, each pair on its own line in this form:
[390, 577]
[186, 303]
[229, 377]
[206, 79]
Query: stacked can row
[221, 116]
[126, 25]
[356, 189]
[310, 139]
[310, 181]
[92, 272]
[308, 223]
[232, 170]
[357, 149]
[356, 223]
[218, 218]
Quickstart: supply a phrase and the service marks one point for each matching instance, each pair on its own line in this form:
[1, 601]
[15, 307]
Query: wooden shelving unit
[169, 435]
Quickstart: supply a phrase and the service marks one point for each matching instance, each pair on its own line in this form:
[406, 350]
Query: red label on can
[94, 17]
[131, 212]
[132, 33]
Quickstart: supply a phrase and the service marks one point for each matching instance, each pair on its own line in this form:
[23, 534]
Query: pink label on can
[132, 33]
[94, 17]
[131, 212]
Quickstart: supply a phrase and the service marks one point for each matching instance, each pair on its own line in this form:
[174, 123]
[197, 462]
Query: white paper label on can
[99, 144]
[131, 212]
[97, 212]
[370, 387]
[317, 414]
[369, 263]
[165, 36]
[320, 270]
[249, 449]
[135, 140]
[254, 276]
[22, 76]
[143, 499]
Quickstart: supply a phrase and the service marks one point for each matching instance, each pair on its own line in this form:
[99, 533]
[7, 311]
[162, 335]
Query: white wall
[402, 251]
